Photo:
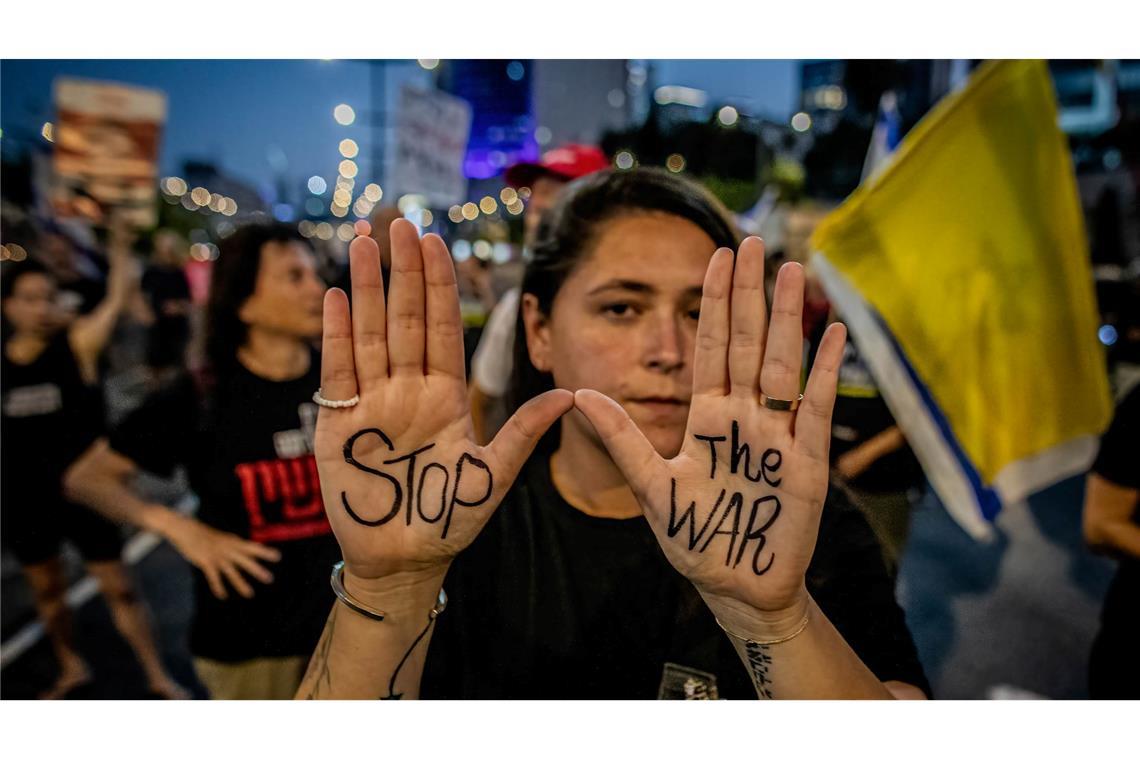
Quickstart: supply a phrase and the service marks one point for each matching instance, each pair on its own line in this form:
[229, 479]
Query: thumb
[629, 447]
[521, 433]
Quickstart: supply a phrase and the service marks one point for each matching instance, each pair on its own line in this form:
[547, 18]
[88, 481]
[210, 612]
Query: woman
[671, 497]
[52, 410]
[244, 434]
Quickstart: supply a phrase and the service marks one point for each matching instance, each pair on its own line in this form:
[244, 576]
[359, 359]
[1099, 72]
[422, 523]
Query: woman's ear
[537, 333]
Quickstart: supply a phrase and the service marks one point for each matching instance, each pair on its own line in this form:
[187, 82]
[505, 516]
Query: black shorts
[35, 530]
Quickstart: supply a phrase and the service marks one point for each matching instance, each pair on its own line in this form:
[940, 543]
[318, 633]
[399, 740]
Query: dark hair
[232, 281]
[569, 230]
[12, 272]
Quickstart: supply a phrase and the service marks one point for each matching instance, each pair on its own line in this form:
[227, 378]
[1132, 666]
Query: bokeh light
[728, 116]
[344, 114]
[461, 250]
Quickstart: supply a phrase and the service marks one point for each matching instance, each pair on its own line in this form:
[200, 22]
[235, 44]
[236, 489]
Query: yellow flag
[964, 268]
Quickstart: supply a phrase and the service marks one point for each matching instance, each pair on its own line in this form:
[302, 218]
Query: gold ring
[780, 404]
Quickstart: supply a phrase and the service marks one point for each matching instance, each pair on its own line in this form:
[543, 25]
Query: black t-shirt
[550, 602]
[1118, 462]
[164, 283]
[1117, 459]
[860, 414]
[248, 453]
[170, 333]
[50, 416]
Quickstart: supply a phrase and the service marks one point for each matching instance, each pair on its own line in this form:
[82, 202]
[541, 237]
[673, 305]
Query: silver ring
[331, 404]
[780, 404]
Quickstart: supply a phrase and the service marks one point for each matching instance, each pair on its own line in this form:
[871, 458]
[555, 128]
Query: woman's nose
[665, 344]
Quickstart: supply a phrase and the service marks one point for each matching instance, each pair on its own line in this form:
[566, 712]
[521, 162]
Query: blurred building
[579, 100]
[503, 120]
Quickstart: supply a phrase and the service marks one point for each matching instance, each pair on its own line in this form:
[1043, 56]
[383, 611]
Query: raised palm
[737, 510]
[404, 483]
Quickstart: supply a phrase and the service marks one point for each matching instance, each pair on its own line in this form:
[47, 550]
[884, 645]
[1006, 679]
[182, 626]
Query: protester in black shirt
[638, 524]
[244, 433]
[168, 295]
[1112, 526]
[52, 410]
[871, 457]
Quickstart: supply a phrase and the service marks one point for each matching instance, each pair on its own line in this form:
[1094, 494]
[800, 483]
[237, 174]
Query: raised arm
[405, 485]
[89, 334]
[101, 479]
[737, 511]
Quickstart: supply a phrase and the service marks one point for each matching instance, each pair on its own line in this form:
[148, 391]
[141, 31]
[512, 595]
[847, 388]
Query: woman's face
[625, 321]
[31, 307]
[287, 297]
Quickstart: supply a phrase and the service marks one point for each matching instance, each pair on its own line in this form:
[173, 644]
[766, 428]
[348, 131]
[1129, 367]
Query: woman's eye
[694, 314]
[618, 309]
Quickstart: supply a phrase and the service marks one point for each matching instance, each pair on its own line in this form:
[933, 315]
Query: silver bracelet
[337, 582]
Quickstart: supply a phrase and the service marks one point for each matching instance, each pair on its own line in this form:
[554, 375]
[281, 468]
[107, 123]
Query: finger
[217, 588]
[237, 581]
[251, 567]
[710, 364]
[338, 371]
[261, 551]
[783, 354]
[813, 420]
[444, 324]
[630, 449]
[369, 324]
[516, 440]
[406, 307]
[748, 321]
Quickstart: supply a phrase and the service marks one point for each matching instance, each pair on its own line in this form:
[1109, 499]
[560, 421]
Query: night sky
[245, 116]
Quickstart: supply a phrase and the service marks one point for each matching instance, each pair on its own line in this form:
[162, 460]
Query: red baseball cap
[567, 162]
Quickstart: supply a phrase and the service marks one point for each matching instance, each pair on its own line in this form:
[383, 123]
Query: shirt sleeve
[1117, 460]
[849, 581]
[494, 358]
[158, 435]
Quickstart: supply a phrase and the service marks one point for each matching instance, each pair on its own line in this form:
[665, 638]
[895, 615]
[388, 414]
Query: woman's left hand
[737, 511]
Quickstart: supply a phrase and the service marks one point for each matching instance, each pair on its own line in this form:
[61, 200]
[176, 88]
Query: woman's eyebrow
[632, 285]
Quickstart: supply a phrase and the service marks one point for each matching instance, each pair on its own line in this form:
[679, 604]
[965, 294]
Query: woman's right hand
[405, 485]
[222, 557]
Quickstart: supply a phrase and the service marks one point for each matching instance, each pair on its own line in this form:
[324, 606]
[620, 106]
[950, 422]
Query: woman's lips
[660, 407]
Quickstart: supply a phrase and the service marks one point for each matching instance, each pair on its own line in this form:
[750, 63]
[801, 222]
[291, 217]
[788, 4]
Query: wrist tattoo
[318, 670]
[759, 661]
[392, 682]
